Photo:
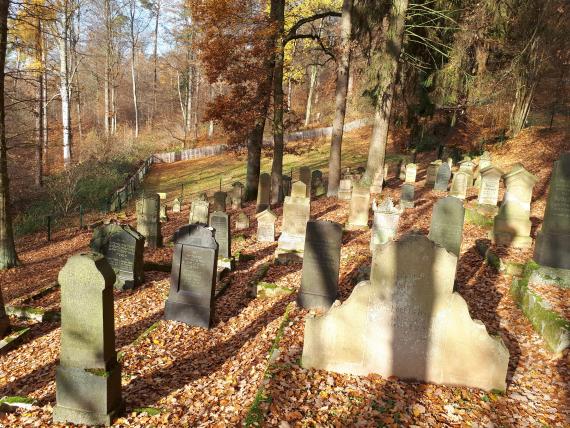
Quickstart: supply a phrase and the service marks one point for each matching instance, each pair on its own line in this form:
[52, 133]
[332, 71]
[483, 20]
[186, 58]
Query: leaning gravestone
[305, 177]
[266, 226]
[490, 182]
[459, 184]
[148, 220]
[345, 189]
[512, 225]
[88, 377]
[177, 205]
[263, 192]
[199, 212]
[296, 213]
[321, 265]
[407, 195]
[317, 183]
[552, 247]
[411, 171]
[193, 277]
[446, 227]
[442, 178]
[123, 248]
[407, 322]
[242, 221]
[359, 208]
[220, 201]
[220, 222]
[385, 225]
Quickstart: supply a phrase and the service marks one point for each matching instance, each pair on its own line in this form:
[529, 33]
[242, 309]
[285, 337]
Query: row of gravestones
[406, 321]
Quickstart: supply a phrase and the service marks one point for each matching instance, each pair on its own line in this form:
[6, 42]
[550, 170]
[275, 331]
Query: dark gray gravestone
[407, 195]
[305, 177]
[552, 247]
[442, 178]
[123, 248]
[220, 201]
[88, 378]
[286, 185]
[148, 220]
[321, 264]
[263, 192]
[193, 276]
[220, 222]
[446, 227]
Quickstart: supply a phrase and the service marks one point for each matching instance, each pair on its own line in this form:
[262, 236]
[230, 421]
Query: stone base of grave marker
[552, 249]
[487, 209]
[87, 397]
[511, 232]
[550, 276]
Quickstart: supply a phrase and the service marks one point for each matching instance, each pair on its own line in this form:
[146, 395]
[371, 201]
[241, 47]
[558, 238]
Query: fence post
[49, 228]
[220, 184]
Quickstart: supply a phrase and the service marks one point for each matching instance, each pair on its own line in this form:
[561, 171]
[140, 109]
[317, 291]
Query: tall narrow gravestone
[266, 226]
[220, 201]
[237, 195]
[468, 166]
[385, 225]
[446, 227]
[287, 182]
[460, 184]
[148, 220]
[411, 171]
[88, 378]
[431, 173]
[123, 248]
[177, 205]
[512, 224]
[193, 277]
[296, 213]
[552, 247]
[220, 222]
[321, 265]
[306, 177]
[345, 189]
[489, 189]
[263, 192]
[359, 208]
[442, 178]
[199, 212]
[407, 195]
[407, 322]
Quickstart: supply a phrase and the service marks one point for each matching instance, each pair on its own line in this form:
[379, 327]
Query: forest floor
[222, 377]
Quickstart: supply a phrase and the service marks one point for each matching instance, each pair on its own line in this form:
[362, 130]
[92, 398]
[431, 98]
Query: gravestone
[199, 212]
[286, 186]
[442, 178]
[263, 192]
[385, 225]
[431, 173]
[177, 205]
[305, 177]
[411, 171]
[459, 184]
[403, 164]
[148, 220]
[88, 377]
[242, 221]
[446, 227]
[220, 222]
[450, 162]
[220, 199]
[317, 183]
[484, 162]
[296, 213]
[468, 166]
[407, 195]
[359, 208]
[345, 189]
[236, 196]
[163, 215]
[552, 247]
[407, 322]
[123, 248]
[490, 182]
[193, 277]
[162, 196]
[321, 265]
[266, 226]
[512, 225]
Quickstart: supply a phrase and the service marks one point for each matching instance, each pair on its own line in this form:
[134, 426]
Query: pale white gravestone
[490, 183]
[359, 208]
[411, 171]
[296, 214]
[459, 184]
[345, 189]
[385, 225]
[266, 226]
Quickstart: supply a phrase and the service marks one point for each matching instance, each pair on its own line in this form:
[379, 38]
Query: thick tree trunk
[8, 256]
[278, 8]
[254, 144]
[389, 66]
[342, 77]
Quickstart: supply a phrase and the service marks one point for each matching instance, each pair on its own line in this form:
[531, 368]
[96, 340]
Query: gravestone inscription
[266, 226]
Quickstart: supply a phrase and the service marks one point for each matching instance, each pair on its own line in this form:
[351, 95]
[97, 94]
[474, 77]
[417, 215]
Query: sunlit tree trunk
[39, 106]
[155, 59]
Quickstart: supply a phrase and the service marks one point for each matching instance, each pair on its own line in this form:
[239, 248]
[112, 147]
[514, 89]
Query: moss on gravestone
[268, 289]
[473, 216]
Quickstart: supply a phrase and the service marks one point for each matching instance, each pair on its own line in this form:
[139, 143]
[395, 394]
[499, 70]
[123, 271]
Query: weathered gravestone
[468, 166]
[407, 322]
[459, 184]
[446, 227]
[484, 162]
[263, 192]
[552, 247]
[403, 164]
[385, 225]
[163, 215]
[317, 183]
[193, 277]
[148, 221]
[442, 178]
[220, 201]
[305, 176]
[242, 221]
[359, 208]
[237, 194]
[220, 222]
[88, 377]
[123, 248]
[407, 195]
[345, 189]
[411, 171]
[321, 265]
[266, 226]
[286, 185]
[512, 225]
[296, 213]
[199, 212]
[177, 205]
[490, 182]
[431, 173]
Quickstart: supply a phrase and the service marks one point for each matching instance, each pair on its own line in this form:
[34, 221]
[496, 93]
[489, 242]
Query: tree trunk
[8, 256]
[107, 76]
[45, 135]
[155, 61]
[383, 105]
[278, 15]
[39, 106]
[135, 99]
[312, 81]
[64, 92]
[342, 77]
